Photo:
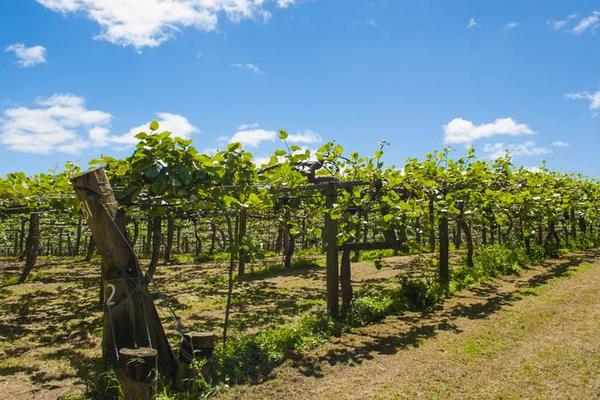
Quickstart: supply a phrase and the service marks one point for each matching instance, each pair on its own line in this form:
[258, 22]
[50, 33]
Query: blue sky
[79, 77]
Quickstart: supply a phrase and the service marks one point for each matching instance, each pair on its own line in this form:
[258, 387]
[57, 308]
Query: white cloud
[511, 25]
[535, 170]
[585, 24]
[177, 124]
[255, 69]
[307, 136]
[588, 23]
[63, 124]
[527, 149]
[561, 144]
[244, 127]
[148, 23]
[260, 161]
[53, 126]
[253, 137]
[593, 98]
[473, 24]
[460, 130]
[28, 56]
[285, 3]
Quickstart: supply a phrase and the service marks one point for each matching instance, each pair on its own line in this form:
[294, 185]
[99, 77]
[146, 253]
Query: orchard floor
[532, 335]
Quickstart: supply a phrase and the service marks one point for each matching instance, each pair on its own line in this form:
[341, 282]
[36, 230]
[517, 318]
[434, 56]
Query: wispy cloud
[592, 97]
[473, 24]
[588, 23]
[511, 25]
[558, 25]
[28, 56]
[560, 144]
[571, 25]
[255, 69]
[526, 149]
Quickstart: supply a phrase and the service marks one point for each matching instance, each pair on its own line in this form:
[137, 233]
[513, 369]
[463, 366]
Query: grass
[54, 319]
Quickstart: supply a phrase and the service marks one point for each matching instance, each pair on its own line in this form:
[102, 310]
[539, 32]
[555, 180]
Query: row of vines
[179, 204]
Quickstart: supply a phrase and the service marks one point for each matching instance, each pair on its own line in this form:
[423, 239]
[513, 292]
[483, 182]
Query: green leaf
[283, 135]
[154, 126]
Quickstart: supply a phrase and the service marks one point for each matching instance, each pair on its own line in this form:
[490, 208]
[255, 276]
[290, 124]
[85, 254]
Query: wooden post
[194, 346]
[243, 217]
[346, 281]
[130, 318]
[330, 236]
[32, 246]
[444, 268]
[137, 373]
[431, 225]
[169, 241]
[20, 253]
[78, 237]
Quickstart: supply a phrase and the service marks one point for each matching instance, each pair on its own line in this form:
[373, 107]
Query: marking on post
[109, 300]
[85, 210]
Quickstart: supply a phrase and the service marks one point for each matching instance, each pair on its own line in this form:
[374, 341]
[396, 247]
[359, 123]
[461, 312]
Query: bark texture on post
[444, 273]
[32, 246]
[130, 318]
[194, 346]
[170, 237]
[21, 241]
[431, 225]
[91, 247]
[156, 239]
[346, 281]
[330, 236]
[137, 373]
[290, 247]
[78, 237]
[243, 217]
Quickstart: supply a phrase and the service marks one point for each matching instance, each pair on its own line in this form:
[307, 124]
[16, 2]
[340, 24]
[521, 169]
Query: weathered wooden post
[31, 246]
[346, 281]
[444, 269]
[138, 373]
[130, 318]
[330, 235]
[194, 346]
[243, 218]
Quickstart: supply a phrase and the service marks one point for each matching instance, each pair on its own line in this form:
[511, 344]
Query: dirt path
[532, 336]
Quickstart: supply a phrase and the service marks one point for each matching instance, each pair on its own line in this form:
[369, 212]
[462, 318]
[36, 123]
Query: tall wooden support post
[241, 235]
[130, 319]
[137, 373]
[346, 281]
[330, 235]
[444, 272]
[431, 225]
[32, 246]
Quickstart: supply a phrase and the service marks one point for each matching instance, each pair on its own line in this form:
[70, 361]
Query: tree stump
[137, 373]
[194, 346]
